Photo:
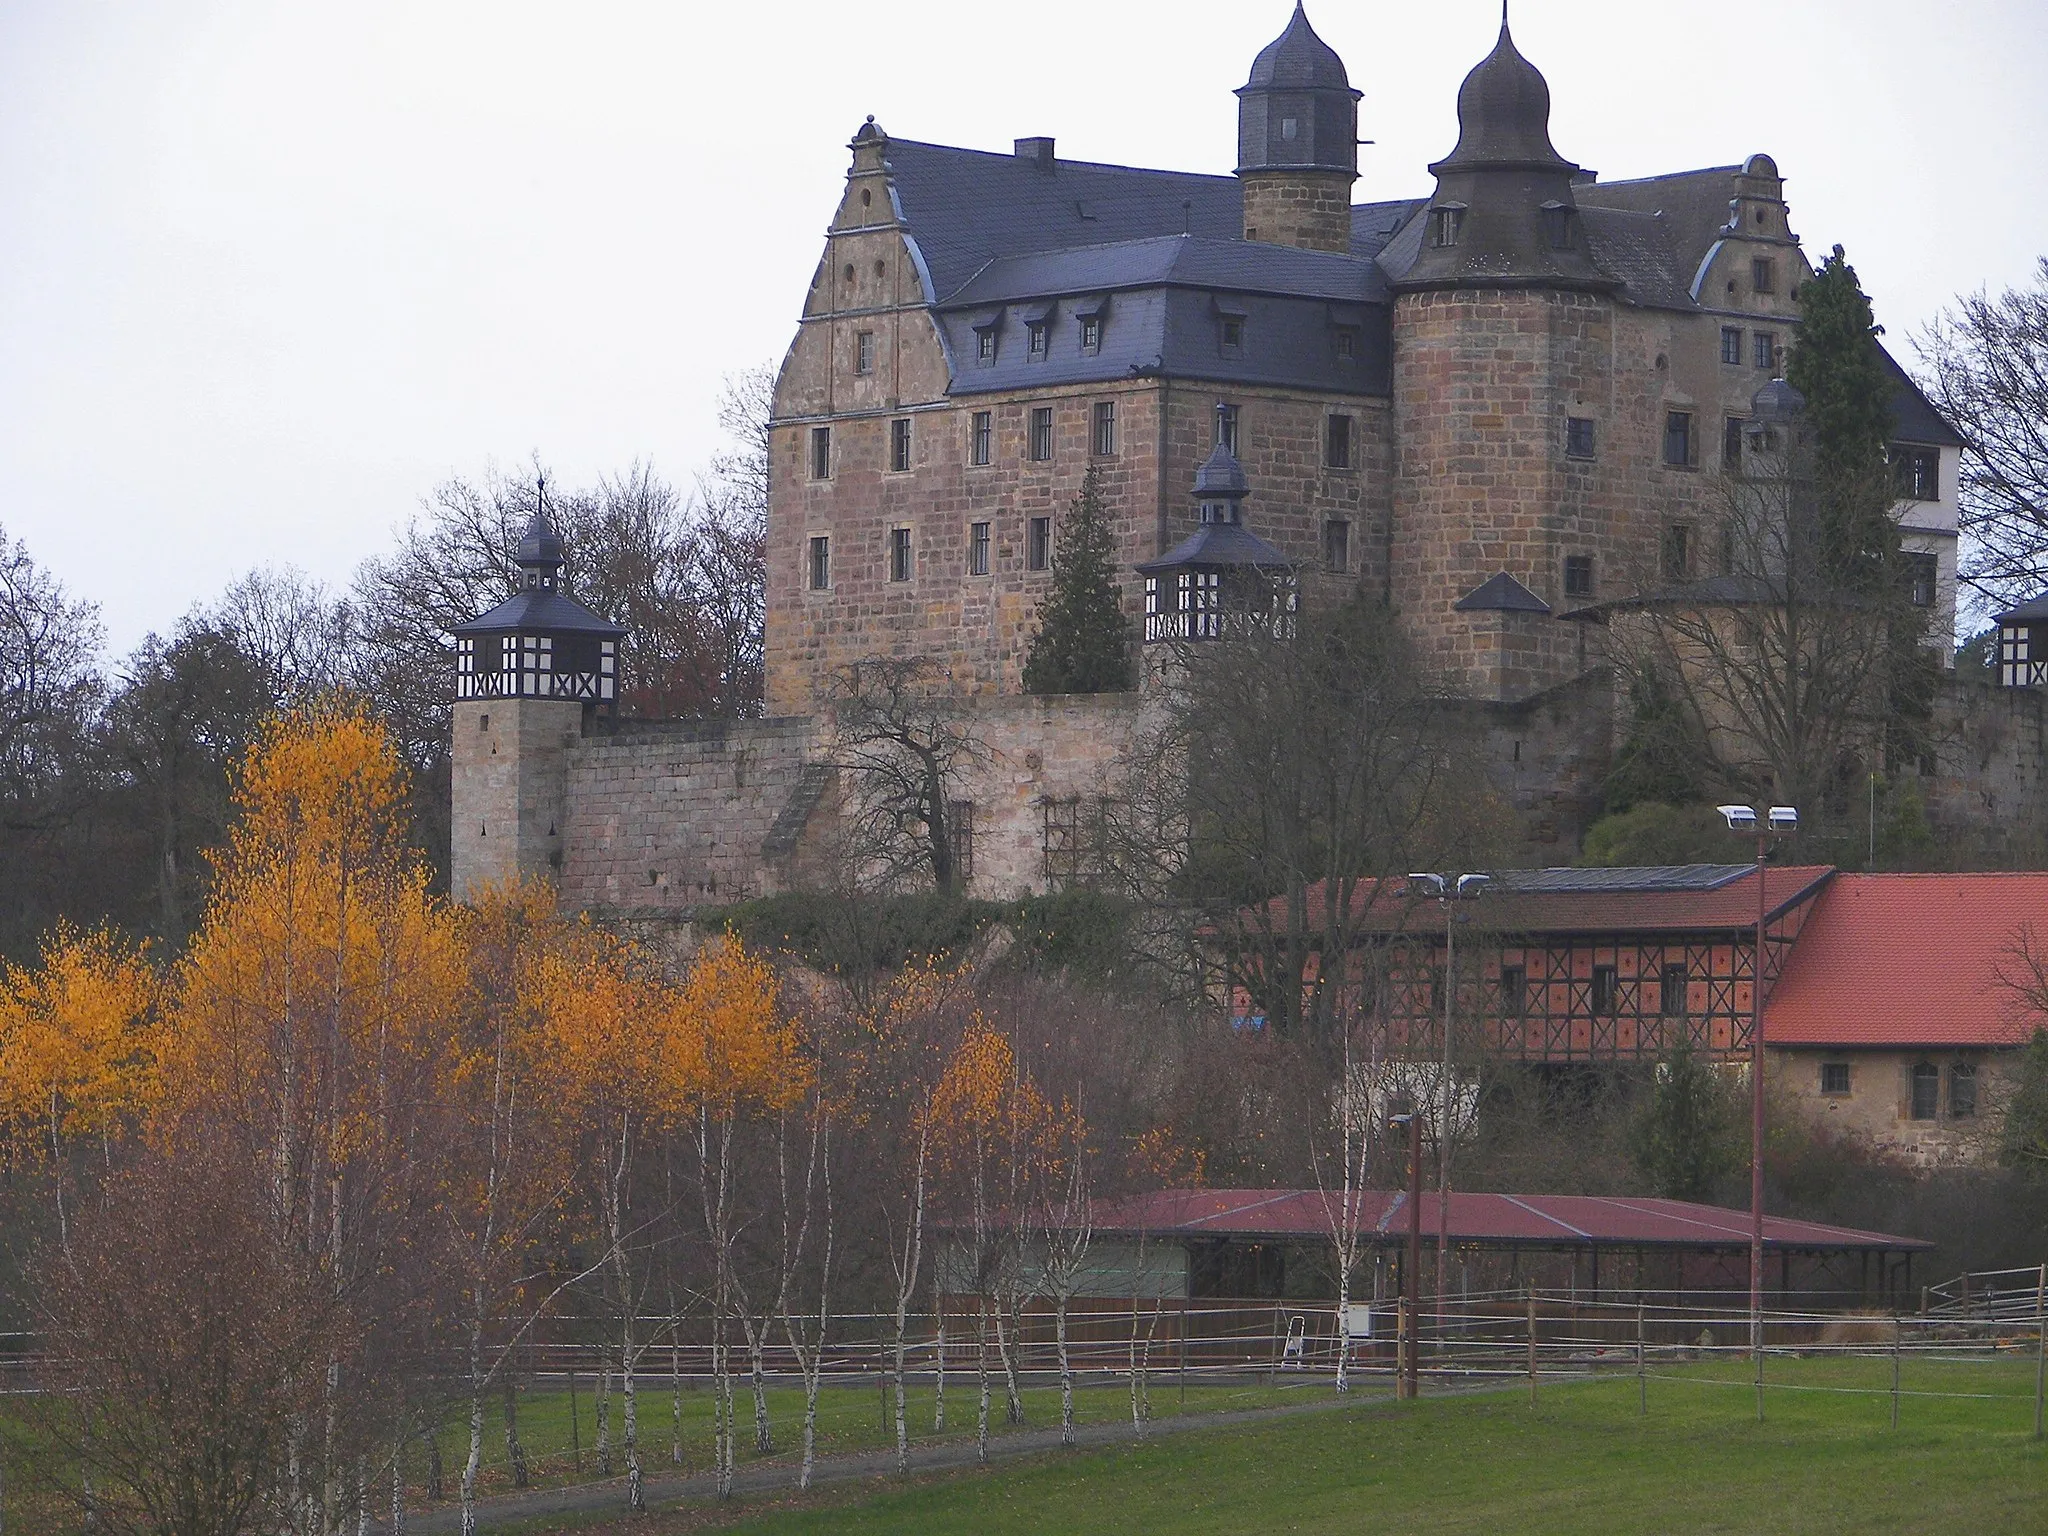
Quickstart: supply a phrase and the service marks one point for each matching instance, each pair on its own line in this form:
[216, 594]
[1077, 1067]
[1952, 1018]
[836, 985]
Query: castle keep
[1494, 407]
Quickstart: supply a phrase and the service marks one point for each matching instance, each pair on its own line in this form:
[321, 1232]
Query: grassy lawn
[850, 1419]
[1584, 1460]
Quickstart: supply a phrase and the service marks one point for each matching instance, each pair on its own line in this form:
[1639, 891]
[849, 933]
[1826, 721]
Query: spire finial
[1503, 15]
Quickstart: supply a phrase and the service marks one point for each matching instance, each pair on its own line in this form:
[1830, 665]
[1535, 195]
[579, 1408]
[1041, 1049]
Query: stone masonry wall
[507, 789]
[1299, 208]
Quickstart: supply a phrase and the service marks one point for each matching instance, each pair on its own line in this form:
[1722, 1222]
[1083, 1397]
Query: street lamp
[1447, 889]
[1744, 821]
[1406, 1372]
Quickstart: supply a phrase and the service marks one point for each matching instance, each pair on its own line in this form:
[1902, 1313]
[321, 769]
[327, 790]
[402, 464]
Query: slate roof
[1694, 205]
[1914, 417]
[1218, 544]
[1180, 261]
[1908, 960]
[2027, 613]
[1564, 1221]
[1500, 593]
[539, 612]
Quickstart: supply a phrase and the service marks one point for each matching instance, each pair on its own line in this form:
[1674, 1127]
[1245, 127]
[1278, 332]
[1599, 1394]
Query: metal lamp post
[1744, 821]
[1447, 889]
[1406, 1372]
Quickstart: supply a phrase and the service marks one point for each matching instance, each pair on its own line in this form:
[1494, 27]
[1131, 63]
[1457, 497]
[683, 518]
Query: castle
[1494, 407]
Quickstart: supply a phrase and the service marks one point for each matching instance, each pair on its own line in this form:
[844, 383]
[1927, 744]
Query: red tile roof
[1543, 1220]
[1729, 906]
[1909, 960]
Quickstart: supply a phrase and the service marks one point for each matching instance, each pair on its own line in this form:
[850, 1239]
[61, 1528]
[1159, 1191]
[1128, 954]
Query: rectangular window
[1606, 990]
[899, 554]
[977, 549]
[1040, 334]
[864, 352]
[1731, 445]
[1226, 426]
[1514, 991]
[1962, 1091]
[1834, 1079]
[821, 562]
[1678, 439]
[1337, 544]
[1917, 472]
[1923, 576]
[1923, 1091]
[1105, 429]
[1578, 437]
[1337, 442]
[899, 444]
[1671, 990]
[1763, 275]
[1731, 343]
[1445, 225]
[1677, 552]
[821, 453]
[1041, 432]
[1578, 575]
[1233, 333]
[1345, 339]
[985, 344]
[960, 819]
[1091, 334]
[1038, 544]
[981, 431]
[1764, 350]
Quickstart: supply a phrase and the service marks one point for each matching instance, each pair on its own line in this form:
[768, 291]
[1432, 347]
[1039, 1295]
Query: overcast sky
[269, 271]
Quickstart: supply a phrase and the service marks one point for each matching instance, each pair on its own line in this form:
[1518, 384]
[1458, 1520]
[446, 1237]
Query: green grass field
[1583, 1460]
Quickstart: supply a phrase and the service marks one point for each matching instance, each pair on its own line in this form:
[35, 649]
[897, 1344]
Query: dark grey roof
[1374, 224]
[1218, 544]
[1221, 475]
[1914, 417]
[1182, 261]
[1638, 249]
[1503, 112]
[965, 207]
[1298, 60]
[1500, 593]
[1665, 877]
[1776, 401]
[540, 612]
[540, 544]
[1694, 205]
[2027, 613]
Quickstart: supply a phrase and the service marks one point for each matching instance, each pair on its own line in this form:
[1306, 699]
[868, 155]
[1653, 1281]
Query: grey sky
[270, 271]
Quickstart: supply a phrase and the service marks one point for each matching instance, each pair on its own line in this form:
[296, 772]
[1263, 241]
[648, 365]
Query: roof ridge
[1066, 164]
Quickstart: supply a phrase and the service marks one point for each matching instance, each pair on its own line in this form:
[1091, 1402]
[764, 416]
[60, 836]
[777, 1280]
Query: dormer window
[1446, 223]
[985, 332]
[1557, 226]
[1091, 335]
[1345, 339]
[1039, 332]
[1230, 318]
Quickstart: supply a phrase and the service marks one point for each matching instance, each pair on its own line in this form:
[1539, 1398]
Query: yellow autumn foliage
[78, 1040]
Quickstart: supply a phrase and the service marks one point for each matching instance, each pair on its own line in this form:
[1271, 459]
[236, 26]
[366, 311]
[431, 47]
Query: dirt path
[776, 1477]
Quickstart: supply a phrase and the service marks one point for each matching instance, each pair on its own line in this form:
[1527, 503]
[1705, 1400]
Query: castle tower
[1502, 337]
[529, 675]
[1297, 143]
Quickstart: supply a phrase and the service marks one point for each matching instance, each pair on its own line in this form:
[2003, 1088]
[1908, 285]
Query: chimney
[1037, 152]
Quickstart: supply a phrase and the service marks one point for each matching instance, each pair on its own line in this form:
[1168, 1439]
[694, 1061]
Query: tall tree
[902, 743]
[1989, 357]
[1686, 1138]
[1083, 644]
[50, 688]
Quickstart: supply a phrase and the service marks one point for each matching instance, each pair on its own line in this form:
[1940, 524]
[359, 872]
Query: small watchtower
[1222, 579]
[1297, 143]
[530, 675]
[2023, 645]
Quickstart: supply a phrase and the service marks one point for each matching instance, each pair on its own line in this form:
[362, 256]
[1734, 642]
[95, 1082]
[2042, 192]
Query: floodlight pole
[1756, 1124]
[1406, 1372]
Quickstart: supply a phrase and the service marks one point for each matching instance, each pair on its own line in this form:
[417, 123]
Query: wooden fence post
[575, 1424]
[1532, 1348]
[1898, 1331]
[1642, 1378]
[2040, 1344]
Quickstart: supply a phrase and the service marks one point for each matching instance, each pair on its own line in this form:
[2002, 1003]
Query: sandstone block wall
[507, 789]
[1876, 1108]
[1299, 208]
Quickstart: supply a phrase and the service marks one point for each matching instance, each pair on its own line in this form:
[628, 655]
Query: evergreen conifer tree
[1836, 364]
[1084, 642]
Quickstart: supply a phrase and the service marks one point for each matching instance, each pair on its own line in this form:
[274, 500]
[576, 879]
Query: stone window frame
[1835, 1080]
[863, 352]
[899, 445]
[1731, 345]
[1580, 439]
[1038, 543]
[1764, 350]
[1922, 1097]
[818, 563]
[1338, 435]
[979, 541]
[1102, 440]
[821, 453]
[1337, 545]
[1962, 1090]
[1675, 552]
[1040, 445]
[902, 554]
[1763, 275]
[981, 439]
[1681, 430]
[1578, 575]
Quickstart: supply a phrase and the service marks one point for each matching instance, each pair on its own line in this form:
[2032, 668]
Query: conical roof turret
[1297, 110]
[1504, 114]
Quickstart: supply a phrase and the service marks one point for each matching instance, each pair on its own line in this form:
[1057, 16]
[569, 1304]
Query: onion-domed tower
[1503, 330]
[1297, 142]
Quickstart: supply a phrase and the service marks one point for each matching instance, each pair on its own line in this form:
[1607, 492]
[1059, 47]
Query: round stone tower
[1502, 339]
[1297, 142]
